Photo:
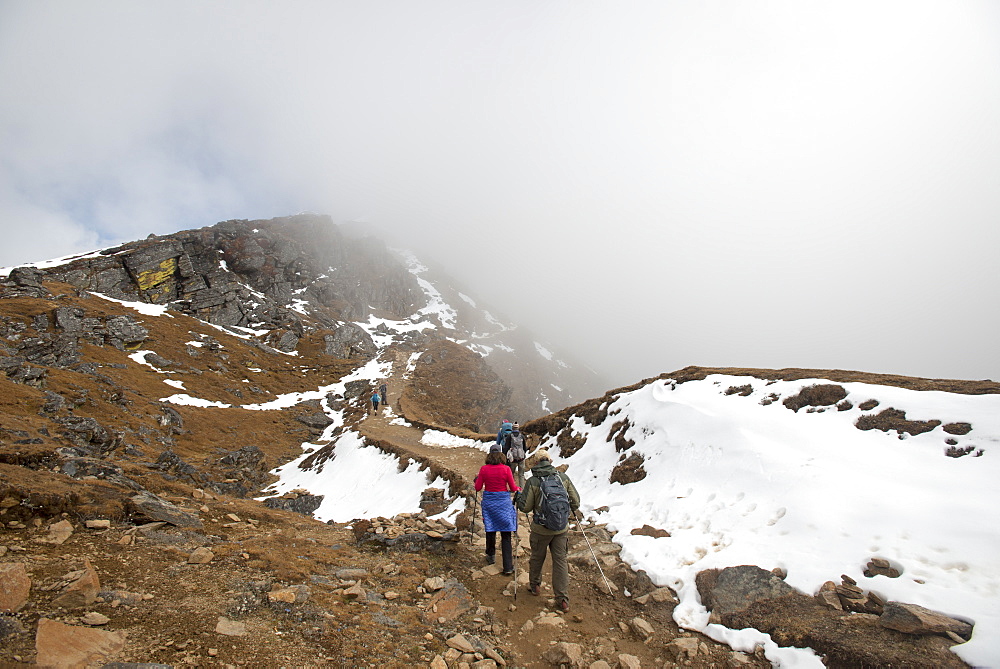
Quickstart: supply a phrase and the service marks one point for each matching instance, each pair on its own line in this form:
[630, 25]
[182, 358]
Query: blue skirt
[499, 514]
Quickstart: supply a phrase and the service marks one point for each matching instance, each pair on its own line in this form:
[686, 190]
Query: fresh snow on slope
[183, 399]
[447, 440]
[436, 305]
[358, 482]
[736, 482]
[56, 262]
[144, 308]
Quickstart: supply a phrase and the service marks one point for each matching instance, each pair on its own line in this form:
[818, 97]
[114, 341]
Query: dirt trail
[597, 621]
[461, 460]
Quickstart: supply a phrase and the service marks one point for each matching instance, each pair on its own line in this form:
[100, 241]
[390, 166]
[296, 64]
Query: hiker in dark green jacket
[542, 538]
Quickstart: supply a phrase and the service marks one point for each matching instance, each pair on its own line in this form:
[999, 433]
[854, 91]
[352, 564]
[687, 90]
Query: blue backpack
[505, 429]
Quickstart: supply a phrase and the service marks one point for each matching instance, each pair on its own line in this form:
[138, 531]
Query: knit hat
[541, 454]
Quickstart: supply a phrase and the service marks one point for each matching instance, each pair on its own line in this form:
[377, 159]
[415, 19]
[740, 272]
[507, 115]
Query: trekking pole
[472, 523]
[517, 543]
[596, 561]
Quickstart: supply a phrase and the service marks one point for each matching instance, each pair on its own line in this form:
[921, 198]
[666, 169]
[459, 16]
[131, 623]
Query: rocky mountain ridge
[284, 278]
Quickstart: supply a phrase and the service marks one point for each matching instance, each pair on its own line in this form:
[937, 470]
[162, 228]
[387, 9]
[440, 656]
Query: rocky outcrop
[248, 273]
[297, 501]
[349, 341]
[407, 532]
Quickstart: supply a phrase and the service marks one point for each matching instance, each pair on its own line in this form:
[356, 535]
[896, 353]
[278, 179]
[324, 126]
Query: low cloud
[649, 186]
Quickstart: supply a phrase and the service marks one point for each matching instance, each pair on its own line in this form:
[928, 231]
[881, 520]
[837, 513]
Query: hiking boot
[491, 558]
[509, 572]
[563, 606]
[535, 590]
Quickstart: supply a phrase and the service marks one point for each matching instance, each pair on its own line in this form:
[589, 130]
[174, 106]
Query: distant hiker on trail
[499, 514]
[505, 428]
[375, 398]
[384, 392]
[515, 447]
[552, 497]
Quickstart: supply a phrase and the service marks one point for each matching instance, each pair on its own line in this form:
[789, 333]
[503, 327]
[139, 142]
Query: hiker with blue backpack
[375, 398]
[514, 448]
[551, 497]
[505, 428]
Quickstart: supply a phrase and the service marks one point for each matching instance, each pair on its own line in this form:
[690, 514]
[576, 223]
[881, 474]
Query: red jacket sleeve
[479, 480]
[511, 484]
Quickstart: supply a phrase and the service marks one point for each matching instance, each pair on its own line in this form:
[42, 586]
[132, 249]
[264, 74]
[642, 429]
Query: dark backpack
[515, 452]
[553, 513]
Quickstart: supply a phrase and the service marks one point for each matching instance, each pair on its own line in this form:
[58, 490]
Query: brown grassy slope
[452, 386]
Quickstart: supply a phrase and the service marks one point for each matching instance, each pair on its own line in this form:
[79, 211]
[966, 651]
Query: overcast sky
[647, 185]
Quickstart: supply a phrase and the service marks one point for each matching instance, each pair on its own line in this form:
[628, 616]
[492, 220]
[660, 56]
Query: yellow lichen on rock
[155, 277]
[158, 283]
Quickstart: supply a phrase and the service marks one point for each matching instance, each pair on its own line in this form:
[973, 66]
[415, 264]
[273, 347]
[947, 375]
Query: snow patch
[144, 308]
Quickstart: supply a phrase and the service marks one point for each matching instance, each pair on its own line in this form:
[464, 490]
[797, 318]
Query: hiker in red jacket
[499, 514]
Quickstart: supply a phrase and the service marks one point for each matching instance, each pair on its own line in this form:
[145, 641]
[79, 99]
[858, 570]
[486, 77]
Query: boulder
[566, 653]
[351, 574]
[685, 647]
[229, 627]
[913, 619]
[642, 628]
[61, 645]
[461, 644]
[156, 508]
[15, 586]
[830, 599]
[626, 661]
[28, 277]
[123, 332]
[316, 421]
[736, 588]
[650, 531]
[201, 555]
[58, 533]
[81, 592]
[94, 618]
[451, 601]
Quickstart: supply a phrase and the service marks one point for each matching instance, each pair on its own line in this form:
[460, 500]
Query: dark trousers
[505, 548]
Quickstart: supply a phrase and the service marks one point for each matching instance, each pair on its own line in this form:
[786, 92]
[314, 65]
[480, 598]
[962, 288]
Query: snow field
[735, 482]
